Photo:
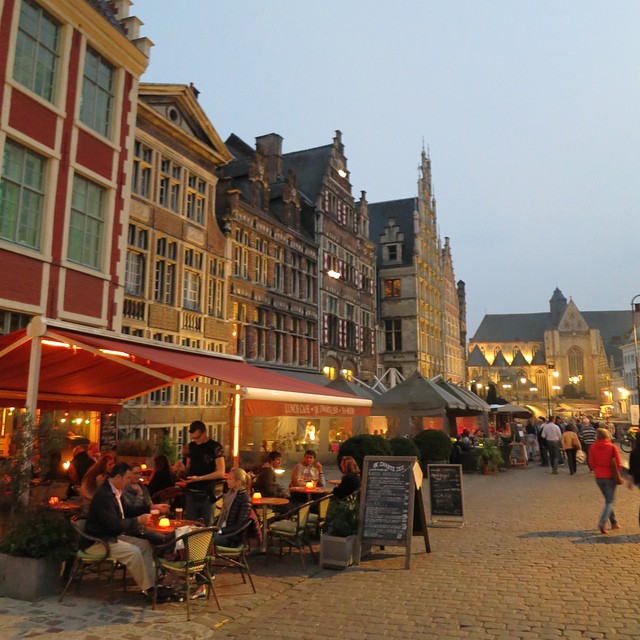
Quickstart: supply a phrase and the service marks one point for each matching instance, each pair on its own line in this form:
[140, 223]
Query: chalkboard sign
[108, 431]
[518, 454]
[445, 491]
[387, 498]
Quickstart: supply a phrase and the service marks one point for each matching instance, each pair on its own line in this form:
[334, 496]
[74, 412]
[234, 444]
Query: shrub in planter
[135, 448]
[489, 457]
[363, 445]
[167, 447]
[342, 518]
[434, 446]
[404, 447]
[339, 540]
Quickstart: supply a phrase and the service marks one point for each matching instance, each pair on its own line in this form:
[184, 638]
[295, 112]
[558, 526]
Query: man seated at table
[266, 483]
[106, 521]
[309, 470]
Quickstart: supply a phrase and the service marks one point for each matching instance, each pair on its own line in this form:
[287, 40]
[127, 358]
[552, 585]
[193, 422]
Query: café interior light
[333, 274]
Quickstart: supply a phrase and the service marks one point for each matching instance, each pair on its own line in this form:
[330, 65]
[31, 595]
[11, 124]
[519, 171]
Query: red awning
[83, 368]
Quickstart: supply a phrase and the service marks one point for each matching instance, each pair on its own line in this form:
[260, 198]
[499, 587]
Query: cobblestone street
[528, 563]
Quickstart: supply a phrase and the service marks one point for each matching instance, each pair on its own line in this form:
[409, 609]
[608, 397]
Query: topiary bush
[401, 446]
[434, 446]
[363, 445]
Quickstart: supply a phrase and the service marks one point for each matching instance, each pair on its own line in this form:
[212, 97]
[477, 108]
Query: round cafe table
[308, 493]
[173, 525]
[265, 503]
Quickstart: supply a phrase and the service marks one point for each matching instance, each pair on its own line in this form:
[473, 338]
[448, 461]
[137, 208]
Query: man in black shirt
[206, 465]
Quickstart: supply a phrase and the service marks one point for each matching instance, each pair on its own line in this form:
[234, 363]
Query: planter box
[29, 578]
[335, 552]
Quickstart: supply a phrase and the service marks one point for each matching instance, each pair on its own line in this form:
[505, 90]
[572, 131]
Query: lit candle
[164, 522]
[257, 495]
[53, 500]
[309, 485]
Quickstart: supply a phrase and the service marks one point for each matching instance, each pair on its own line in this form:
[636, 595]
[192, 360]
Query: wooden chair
[291, 530]
[192, 561]
[236, 556]
[85, 563]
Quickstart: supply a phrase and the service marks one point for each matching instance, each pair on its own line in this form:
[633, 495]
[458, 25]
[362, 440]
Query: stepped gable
[476, 358]
[103, 8]
[403, 212]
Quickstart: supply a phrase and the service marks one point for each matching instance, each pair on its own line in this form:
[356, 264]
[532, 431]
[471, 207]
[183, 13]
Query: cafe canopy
[52, 364]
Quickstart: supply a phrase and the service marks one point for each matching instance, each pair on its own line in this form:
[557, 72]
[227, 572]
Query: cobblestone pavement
[528, 563]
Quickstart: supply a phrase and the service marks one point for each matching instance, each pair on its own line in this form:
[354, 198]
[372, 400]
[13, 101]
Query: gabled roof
[539, 357]
[476, 358]
[403, 212]
[519, 360]
[500, 360]
[191, 121]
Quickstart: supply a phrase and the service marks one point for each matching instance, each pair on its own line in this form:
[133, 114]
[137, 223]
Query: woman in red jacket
[603, 454]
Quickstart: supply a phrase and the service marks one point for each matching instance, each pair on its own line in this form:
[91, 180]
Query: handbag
[614, 469]
[581, 456]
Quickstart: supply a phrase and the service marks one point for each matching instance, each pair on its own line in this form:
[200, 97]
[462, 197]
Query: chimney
[272, 147]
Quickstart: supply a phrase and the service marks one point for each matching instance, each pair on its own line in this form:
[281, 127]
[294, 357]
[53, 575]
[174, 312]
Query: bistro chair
[236, 556]
[291, 531]
[190, 559]
[318, 516]
[91, 563]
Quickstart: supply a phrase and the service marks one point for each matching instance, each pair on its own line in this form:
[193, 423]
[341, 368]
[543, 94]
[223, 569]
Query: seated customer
[350, 478]
[106, 521]
[136, 499]
[309, 470]
[266, 483]
[162, 477]
[235, 509]
[96, 475]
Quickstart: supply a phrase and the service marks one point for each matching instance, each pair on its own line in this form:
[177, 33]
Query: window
[169, 195]
[215, 292]
[37, 50]
[134, 274]
[393, 335]
[191, 293]
[392, 288]
[196, 199]
[392, 252]
[165, 276]
[278, 275]
[86, 227]
[97, 93]
[142, 165]
[160, 396]
[21, 195]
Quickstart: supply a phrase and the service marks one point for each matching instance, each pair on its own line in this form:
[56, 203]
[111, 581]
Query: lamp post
[635, 307]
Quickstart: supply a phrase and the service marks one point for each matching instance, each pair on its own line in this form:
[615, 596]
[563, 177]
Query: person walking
[542, 445]
[571, 445]
[588, 437]
[604, 459]
[552, 436]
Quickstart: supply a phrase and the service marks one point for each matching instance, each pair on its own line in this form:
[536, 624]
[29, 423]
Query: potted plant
[32, 553]
[434, 446]
[489, 457]
[338, 541]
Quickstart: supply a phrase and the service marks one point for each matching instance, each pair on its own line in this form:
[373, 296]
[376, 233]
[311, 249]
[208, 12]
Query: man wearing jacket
[106, 521]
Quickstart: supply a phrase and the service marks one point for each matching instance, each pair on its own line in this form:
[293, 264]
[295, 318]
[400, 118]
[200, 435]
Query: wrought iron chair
[191, 561]
[291, 530]
[236, 556]
[85, 563]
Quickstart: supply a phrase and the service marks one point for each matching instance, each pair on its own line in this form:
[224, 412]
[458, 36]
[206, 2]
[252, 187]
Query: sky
[529, 111]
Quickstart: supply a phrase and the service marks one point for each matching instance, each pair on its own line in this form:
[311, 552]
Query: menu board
[391, 486]
[108, 431]
[386, 499]
[445, 490]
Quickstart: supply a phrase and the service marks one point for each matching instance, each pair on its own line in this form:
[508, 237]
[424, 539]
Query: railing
[191, 321]
[134, 309]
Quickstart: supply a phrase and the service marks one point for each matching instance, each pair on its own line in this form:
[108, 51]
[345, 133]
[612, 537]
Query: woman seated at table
[350, 478]
[96, 475]
[235, 510]
[162, 476]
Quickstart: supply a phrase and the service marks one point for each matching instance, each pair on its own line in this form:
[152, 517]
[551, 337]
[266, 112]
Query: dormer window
[393, 252]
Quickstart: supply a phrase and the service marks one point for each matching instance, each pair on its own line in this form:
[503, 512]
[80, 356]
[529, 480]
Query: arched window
[576, 362]
[541, 382]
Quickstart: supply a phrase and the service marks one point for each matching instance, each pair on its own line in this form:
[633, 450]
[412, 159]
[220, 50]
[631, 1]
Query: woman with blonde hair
[604, 459]
[235, 509]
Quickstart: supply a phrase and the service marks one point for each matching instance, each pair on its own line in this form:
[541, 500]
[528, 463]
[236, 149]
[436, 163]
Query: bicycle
[628, 440]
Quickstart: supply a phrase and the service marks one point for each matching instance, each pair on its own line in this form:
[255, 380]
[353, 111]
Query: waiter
[205, 466]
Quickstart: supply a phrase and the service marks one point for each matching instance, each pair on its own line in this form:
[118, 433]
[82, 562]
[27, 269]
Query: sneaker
[602, 530]
[615, 527]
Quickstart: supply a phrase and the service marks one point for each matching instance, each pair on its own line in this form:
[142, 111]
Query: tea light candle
[309, 485]
[54, 500]
[257, 495]
[164, 522]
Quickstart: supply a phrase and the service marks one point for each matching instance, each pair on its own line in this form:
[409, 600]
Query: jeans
[571, 460]
[608, 488]
[553, 447]
[198, 506]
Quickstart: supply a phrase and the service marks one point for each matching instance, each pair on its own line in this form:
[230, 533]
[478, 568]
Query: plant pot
[487, 470]
[337, 553]
[29, 578]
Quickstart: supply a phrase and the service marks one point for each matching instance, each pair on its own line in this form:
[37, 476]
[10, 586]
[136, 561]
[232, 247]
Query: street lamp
[635, 307]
